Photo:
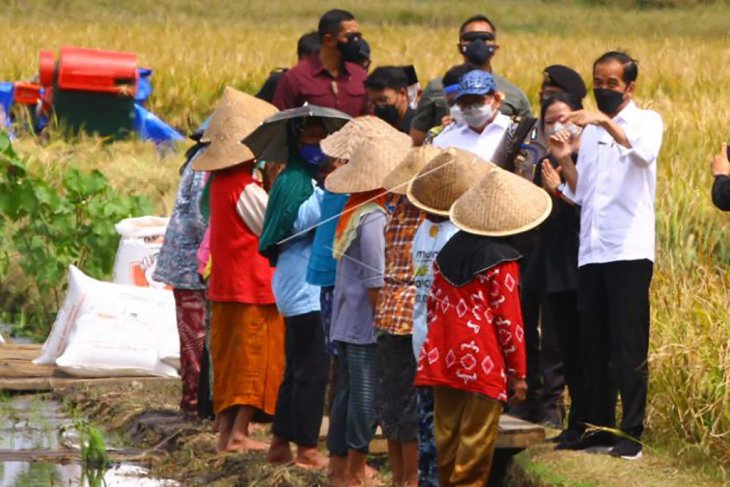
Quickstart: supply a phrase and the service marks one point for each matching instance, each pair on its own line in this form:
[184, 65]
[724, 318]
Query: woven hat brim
[421, 205]
[458, 218]
[219, 156]
[346, 180]
[343, 143]
[399, 178]
[368, 165]
[479, 170]
[236, 114]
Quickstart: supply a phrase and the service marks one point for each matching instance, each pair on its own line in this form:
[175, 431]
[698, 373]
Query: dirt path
[178, 448]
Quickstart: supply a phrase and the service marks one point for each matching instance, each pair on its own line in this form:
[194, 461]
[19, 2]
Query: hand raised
[720, 163]
[550, 176]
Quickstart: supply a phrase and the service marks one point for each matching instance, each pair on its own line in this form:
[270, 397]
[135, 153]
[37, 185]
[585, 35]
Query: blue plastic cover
[144, 87]
[150, 127]
[7, 94]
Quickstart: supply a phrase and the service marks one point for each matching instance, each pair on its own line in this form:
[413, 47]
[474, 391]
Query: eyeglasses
[477, 36]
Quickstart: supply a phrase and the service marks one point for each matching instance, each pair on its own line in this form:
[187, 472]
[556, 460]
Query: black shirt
[721, 192]
[552, 266]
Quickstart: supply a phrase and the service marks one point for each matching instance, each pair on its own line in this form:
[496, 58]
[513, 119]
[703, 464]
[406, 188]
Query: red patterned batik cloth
[475, 333]
[190, 310]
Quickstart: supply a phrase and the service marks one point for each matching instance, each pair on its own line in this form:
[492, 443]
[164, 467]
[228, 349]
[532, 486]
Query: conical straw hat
[371, 161]
[236, 115]
[445, 178]
[501, 204]
[343, 143]
[398, 179]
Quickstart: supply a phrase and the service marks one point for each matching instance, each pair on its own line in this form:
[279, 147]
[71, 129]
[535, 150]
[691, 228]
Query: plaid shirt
[395, 303]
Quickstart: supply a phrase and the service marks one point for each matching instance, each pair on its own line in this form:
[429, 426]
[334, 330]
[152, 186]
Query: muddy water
[35, 435]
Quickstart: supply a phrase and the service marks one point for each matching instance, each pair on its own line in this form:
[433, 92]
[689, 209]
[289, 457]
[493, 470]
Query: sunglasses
[477, 36]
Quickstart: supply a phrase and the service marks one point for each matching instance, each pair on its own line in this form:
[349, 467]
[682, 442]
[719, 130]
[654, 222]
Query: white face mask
[476, 116]
[573, 129]
[412, 91]
[457, 115]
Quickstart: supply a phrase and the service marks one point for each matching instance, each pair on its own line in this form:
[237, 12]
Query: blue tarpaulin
[150, 127]
[7, 94]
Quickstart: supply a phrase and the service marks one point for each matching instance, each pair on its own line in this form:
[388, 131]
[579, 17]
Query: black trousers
[545, 381]
[300, 404]
[613, 302]
[561, 333]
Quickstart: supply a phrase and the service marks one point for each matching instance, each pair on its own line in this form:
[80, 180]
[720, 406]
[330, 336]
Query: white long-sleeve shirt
[616, 189]
[483, 144]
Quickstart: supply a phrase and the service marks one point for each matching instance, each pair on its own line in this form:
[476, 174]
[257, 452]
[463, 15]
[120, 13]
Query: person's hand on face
[550, 176]
[720, 164]
[559, 145]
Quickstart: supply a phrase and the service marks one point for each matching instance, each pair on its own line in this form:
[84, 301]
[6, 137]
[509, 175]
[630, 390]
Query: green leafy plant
[94, 458]
[56, 225]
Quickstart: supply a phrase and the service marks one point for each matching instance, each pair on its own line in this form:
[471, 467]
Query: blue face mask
[312, 154]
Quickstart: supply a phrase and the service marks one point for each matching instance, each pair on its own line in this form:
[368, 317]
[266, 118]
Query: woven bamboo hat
[398, 179]
[445, 178]
[372, 159]
[342, 144]
[236, 115]
[501, 204]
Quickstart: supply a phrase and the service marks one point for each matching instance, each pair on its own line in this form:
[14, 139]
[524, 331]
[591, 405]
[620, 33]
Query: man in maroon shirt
[329, 79]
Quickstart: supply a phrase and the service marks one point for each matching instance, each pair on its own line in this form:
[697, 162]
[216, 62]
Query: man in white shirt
[484, 125]
[614, 181]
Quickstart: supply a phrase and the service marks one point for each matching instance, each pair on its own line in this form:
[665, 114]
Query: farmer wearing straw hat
[359, 247]
[177, 267]
[339, 146]
[247, 332]
[484, 126]
[396, 403]
[286, 240]
[433, 190]
[475, 340]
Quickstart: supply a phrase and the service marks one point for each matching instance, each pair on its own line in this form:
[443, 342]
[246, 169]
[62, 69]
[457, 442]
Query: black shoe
[626, 449]
[566, 437]
[587, 442]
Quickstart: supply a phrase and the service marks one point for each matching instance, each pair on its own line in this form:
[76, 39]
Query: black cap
[565, 78]
[411, 74]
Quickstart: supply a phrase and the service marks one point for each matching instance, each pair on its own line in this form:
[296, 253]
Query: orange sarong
[247, 351]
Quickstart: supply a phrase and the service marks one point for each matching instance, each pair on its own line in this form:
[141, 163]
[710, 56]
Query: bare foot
[370, 472]
[311, 458]
[246, 444]
[279, 451]
[337, 471]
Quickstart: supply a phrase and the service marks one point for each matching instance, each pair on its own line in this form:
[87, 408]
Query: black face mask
[350, 50]
[387, 113]
[607, 100]
[479, 52]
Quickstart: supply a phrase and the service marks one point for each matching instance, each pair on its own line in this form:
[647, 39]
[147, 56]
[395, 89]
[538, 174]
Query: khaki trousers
[465, 426]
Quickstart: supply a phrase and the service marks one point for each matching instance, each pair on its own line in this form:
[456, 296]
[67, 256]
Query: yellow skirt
[247, 351]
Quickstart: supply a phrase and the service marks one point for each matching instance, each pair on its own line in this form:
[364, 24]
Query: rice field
[198, 48]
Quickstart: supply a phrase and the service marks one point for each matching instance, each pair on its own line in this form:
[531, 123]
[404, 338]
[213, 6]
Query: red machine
[90, 70]
[90, 89]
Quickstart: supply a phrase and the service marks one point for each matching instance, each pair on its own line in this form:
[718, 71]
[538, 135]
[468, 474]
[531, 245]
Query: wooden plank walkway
[18, 373]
